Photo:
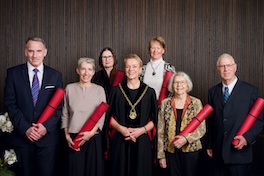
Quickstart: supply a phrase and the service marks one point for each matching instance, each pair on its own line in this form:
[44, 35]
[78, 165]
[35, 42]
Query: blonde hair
[158, 39]
[133, 56]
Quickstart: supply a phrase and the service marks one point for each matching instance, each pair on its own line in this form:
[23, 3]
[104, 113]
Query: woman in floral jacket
[179, 157]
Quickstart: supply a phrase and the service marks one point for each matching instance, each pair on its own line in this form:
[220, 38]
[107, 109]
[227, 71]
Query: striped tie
[226, 94]
[35, 87]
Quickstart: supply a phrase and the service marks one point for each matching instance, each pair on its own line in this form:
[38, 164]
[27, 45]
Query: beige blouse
[79, 105]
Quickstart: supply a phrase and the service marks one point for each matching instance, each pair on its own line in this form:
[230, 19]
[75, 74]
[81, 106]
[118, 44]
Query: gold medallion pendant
[132, 114]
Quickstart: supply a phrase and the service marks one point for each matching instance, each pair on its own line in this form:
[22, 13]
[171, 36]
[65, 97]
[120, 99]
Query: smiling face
[35, 52]
[156, 50]
[227, 68]
[180, 86]
[85, 72]
[132, 68]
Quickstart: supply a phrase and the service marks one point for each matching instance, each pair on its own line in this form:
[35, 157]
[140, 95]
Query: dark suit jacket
[19, 104]
[226, 120]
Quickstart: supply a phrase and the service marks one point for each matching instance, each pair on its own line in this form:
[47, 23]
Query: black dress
[126, 157]
[103, 80]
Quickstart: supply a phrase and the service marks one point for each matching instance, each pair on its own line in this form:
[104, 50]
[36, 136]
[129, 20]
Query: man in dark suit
[35, 144]
[230, 111]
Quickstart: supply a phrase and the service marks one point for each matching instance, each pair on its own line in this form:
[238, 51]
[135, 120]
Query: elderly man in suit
[232, 100]
[28, 89]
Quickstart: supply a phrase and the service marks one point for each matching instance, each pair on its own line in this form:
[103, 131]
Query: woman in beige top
[179, 157]
[80, 101]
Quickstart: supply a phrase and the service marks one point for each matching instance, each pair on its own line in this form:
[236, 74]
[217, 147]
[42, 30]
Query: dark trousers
[34, 160]
[221, 169]
[181, 163]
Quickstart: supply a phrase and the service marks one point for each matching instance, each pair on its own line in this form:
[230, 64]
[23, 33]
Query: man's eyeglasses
[225, 66]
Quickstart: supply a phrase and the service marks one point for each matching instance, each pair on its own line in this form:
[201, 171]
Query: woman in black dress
[132, 116]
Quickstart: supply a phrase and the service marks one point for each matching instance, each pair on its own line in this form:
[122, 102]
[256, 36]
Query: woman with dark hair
[105, 77]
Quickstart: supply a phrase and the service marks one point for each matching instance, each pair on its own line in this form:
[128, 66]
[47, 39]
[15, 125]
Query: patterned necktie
[35, 87]
[226, 94]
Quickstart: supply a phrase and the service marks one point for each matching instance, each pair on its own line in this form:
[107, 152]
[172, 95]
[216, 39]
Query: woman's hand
[69, 141]
[209, 153]
[162, 163]
[181, 141]
[135, 133]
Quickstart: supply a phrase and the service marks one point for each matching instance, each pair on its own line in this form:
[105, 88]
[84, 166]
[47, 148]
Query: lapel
[25, 77]
[44, 80]
[235, 92]
[219, 93]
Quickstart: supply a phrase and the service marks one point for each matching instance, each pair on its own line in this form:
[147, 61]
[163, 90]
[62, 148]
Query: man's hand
[32, 134]
[242, 142]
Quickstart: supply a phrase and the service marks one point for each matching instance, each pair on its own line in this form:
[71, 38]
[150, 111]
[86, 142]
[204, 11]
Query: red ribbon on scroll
[250, 119]
[52, 105]
[196, 121]
[118, 77]
[91, 122]
[164, 88]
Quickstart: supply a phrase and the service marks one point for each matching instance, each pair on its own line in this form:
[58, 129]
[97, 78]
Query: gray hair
[185, 76]
[36, 39]
[225, 55]
[87, 60]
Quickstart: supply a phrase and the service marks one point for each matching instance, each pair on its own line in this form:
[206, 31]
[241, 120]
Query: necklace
[133, 112]
[154, 69]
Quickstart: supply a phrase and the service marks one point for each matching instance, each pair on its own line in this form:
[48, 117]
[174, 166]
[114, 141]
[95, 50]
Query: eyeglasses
[225, 66]
[179, 82]
[107, 57]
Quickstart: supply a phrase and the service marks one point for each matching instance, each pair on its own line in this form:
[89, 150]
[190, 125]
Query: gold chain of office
[132, 112]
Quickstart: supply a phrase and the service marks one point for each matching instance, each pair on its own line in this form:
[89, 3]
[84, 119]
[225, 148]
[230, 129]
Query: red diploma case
[196, 121]
[250, 119]
[52, 105]
[164, 88]
[91, 122]
[118, 77]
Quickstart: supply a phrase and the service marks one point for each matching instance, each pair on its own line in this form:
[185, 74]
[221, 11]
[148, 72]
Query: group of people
[135, 136]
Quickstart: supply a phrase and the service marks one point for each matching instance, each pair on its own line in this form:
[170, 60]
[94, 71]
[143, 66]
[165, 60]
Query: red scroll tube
[196, 121]
[118, 77]
[250, 119]
[164, 88]
[52, 105]
[91, 122]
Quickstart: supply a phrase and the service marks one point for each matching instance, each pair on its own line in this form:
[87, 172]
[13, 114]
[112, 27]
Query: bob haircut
[157, 39]
[187, 79]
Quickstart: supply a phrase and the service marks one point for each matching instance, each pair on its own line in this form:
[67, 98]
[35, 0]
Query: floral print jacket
[167, 126]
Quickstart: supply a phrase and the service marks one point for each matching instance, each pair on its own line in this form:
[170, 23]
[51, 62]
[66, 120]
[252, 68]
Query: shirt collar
[31, 68]
[230, 86]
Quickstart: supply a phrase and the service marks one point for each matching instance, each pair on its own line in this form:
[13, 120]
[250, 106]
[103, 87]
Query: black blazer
[226, 120]
[19, 104]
